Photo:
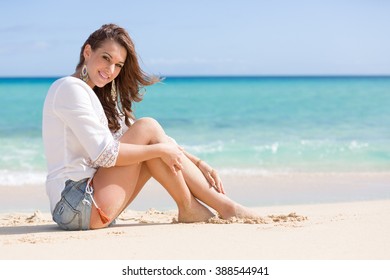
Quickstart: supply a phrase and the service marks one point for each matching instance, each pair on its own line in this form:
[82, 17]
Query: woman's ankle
[194, 212]
[236, 210]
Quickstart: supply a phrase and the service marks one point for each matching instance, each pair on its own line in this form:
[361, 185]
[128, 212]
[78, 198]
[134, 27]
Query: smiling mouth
[103, 75]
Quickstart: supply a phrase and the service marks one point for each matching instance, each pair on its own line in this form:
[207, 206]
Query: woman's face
[104, 63]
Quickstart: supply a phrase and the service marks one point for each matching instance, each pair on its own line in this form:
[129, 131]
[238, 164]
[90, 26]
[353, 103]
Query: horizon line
[229, 76]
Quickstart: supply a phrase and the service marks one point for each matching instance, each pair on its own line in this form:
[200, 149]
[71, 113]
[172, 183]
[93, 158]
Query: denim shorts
[73, 211]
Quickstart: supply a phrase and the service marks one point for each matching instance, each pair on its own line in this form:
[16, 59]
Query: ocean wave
[250, 171]
[21, 153]
[209, 148]
[271, 147]
[355, 145]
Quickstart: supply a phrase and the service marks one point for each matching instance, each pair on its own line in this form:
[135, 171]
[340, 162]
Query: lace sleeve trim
[108, 157]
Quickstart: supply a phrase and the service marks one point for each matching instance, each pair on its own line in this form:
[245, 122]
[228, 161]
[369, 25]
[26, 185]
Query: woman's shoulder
[68, 84]
[68, 80]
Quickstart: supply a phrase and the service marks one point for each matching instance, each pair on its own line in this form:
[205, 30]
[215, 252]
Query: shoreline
[253, 190]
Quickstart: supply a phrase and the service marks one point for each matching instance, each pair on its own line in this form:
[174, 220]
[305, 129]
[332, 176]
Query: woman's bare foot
[194, 213]
[240, 212]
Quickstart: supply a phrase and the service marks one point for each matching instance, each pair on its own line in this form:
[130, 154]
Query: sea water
[248, 125]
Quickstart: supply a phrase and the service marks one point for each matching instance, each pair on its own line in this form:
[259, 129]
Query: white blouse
[76, 136]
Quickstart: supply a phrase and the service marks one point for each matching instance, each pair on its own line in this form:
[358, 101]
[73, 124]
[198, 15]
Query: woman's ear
[87, 51]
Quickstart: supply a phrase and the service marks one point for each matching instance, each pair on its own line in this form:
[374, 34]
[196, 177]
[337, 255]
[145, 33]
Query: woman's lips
[104, 75]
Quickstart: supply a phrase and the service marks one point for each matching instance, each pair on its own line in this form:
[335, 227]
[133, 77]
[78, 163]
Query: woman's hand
[211, 175]
[172, 156]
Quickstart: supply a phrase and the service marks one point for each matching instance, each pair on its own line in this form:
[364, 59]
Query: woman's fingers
[221, 187]
[211, 179]
[173, 157]
[218, 183]
[173, 169]
[178, 165]
[215, 182]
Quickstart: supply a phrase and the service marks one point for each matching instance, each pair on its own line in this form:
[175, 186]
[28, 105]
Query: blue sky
[204, 37]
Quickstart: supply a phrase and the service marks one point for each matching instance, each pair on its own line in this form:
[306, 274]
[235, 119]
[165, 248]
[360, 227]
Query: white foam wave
[272, 147]
[18, 178]
[355, 145]
[252, 171]
[210, 148]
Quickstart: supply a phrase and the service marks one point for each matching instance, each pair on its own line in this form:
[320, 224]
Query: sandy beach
[308, 229]
[358, 230]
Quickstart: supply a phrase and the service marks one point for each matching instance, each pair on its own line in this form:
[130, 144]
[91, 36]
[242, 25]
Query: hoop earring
[113, 91]
[84, 73]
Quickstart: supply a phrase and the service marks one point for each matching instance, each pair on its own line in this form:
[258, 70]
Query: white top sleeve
[74, 106]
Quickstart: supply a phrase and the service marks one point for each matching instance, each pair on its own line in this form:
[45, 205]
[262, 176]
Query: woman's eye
[106, 58]
[119, 65]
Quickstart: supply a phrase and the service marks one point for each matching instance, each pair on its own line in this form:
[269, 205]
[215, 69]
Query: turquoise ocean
[243, 125]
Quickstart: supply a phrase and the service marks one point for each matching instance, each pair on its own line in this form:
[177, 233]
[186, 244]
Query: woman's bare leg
[116, 187]
[190, 210]
[202, 190]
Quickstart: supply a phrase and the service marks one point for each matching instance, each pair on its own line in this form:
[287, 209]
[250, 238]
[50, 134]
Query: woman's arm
[170, 153]
[210, 174]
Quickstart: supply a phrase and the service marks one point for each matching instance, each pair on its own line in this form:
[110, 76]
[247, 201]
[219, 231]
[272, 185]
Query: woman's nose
[111, 68]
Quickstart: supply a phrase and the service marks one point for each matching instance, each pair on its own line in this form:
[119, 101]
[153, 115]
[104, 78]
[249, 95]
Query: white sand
[334, 229]
[355, 230]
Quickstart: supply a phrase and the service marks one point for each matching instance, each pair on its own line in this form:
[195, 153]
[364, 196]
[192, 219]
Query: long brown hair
[130, 80]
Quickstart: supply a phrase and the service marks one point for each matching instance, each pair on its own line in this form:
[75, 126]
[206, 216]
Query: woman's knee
[144, 131]
[152, 128]
[148, 122]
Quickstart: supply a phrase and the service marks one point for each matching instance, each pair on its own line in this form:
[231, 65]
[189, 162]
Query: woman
[99, 158]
